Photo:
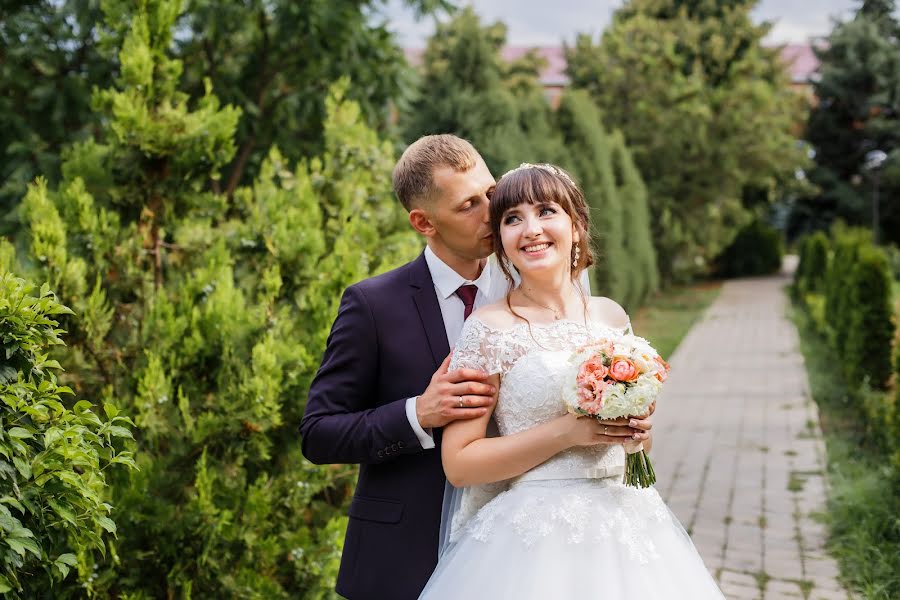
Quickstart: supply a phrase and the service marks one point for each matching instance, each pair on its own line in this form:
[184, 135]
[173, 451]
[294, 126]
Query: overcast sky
[549, 22]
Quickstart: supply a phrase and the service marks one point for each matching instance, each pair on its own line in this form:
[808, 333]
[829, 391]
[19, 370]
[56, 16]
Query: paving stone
[737, 578]
[734, 592]
[820, 569]
[820, 594]
[776, 588]
[741, 474]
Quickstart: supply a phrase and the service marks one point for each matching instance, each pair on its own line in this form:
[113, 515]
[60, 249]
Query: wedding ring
[460, 403]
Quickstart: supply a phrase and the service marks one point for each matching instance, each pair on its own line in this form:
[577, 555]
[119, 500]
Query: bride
[565, 526]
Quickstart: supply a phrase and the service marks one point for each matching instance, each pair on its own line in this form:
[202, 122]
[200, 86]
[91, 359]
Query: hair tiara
[544, 167]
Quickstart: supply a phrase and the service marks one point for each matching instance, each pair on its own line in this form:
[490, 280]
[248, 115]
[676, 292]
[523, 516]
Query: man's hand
[462, 394]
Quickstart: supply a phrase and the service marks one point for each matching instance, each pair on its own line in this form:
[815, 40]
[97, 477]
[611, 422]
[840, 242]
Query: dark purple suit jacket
[386, 343]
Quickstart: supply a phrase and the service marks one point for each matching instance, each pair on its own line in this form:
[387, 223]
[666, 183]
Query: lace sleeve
[476, 348]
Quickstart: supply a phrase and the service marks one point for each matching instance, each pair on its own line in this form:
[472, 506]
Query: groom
[383, 391]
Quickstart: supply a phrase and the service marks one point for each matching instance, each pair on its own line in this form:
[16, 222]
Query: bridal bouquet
[614, 377]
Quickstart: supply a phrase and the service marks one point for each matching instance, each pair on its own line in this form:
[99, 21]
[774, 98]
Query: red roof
[801, 62]
[554, 71]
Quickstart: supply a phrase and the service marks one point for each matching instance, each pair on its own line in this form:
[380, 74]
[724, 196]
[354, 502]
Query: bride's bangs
[528, 186]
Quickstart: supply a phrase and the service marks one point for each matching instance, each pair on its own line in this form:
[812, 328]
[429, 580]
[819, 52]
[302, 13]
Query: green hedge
[813, 266]
[869, 312]
[849, 299]
[756, 250]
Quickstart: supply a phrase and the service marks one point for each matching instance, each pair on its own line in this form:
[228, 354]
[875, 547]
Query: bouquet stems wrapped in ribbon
[617, 376]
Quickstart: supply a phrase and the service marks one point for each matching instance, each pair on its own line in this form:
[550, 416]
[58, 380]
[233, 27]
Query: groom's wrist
[423, 435]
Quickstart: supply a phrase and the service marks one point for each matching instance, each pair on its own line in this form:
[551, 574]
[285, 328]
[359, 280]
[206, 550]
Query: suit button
[380, 454]
[394, 448]
[402, 444]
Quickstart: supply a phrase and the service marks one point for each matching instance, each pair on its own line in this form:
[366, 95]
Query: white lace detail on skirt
[578, 508]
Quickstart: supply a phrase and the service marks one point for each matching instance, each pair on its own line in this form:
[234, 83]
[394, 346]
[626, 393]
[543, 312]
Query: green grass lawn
[862, 508]
[668, 316]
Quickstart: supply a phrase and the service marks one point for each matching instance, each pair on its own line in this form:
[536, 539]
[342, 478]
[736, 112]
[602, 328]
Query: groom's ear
[421, 222]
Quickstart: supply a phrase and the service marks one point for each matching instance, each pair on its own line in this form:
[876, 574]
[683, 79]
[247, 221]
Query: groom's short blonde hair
[413, 177]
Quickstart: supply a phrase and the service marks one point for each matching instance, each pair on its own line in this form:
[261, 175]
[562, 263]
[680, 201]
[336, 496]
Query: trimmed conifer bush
[838, 306]
[800, 272]
[816, 263]
[871, 329]
[756, 250]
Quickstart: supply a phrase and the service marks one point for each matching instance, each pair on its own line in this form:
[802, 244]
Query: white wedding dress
[568, 528]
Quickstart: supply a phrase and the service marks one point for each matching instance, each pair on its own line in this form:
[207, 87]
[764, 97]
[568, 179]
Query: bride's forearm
[487, 460]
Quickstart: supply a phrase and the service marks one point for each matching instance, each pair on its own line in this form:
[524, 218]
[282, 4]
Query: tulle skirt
[572, 539]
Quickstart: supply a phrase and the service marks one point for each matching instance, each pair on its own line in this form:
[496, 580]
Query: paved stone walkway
[738, 451]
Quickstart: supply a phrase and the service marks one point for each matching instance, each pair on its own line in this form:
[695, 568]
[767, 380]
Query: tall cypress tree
[591, 161]
[643, 275]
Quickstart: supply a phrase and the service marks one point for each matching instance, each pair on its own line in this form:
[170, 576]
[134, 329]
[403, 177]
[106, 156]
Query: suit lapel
[429, 310]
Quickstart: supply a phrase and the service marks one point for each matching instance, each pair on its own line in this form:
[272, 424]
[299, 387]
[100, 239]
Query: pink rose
[591, 383]
[622, 369]
[662, 371]
[593, 368]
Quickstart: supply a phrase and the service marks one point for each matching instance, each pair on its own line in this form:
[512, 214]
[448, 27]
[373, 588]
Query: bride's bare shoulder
[496, 315]
[609, 312]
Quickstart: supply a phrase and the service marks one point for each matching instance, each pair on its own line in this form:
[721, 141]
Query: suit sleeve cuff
[424, 437]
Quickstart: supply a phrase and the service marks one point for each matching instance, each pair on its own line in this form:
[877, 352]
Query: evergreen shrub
[838, 306]
[800, 272]
[205, 315]
[871, 330]
[53, 512]
[756, 250]
[816, 262]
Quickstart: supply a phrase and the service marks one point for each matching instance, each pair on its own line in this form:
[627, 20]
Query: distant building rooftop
[800, 59]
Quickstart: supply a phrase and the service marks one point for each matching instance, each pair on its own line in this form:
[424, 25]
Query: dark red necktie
[467, 293]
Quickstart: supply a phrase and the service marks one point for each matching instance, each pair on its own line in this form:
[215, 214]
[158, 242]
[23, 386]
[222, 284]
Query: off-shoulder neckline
[547, 325]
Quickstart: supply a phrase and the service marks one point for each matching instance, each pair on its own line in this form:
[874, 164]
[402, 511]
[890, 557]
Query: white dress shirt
[492, 286]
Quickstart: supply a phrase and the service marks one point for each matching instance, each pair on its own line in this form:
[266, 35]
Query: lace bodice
[530, 364]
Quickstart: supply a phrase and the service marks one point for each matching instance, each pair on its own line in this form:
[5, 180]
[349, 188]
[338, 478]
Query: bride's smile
[537, 236]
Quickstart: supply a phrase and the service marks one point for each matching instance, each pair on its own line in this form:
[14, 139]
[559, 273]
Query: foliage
[463, 91]
[591, 160]
[53, 517]
[643, 276]
[871, 328]
[51, 57]
[853, 308]
[205, 315]
[813, 263]
[838, 307]
[859, 94]
[691, 86]
[536, 119]
[755, 250]
[273, 60]
[863, 498]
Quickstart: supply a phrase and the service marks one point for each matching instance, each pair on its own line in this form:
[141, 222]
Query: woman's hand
[587, 431]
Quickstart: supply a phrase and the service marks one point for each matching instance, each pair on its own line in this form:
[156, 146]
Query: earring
[577, 256]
